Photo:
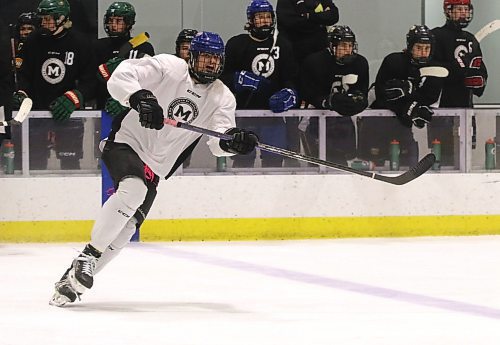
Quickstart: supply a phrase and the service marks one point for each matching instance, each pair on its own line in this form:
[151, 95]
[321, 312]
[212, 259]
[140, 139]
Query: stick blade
[422, 166]
[487, 29]
[434, 71]
[24, 110]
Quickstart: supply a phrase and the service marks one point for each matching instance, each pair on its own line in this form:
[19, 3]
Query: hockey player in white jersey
[140, 150]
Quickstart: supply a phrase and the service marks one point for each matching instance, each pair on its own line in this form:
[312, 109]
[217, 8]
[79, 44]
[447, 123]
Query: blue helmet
[261, 32]
[207, 43]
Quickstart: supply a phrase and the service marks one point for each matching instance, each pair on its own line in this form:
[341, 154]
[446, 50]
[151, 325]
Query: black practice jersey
[298, 26]
[320, 75]
[245, 54]
[454, 50]
[398, 66]
[53, 65]
[107, 48]
[307, 34]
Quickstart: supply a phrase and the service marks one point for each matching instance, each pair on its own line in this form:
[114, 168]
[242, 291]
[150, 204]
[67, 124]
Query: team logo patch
[263, 65]
[53, 71]
[182, 110]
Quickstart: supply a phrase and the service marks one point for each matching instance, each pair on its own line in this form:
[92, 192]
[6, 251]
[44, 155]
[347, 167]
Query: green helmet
[120, 9]
[55, 8]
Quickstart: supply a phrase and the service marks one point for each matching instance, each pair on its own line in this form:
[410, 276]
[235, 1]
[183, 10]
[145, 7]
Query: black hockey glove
[420, 115]
[150, 112]
[243, 141]
[346, 104]
[395, 89]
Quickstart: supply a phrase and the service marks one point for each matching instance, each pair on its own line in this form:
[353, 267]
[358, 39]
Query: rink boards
[261, 207]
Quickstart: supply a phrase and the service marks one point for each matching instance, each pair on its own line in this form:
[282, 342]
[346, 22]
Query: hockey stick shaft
[13, 53]
[422, 166]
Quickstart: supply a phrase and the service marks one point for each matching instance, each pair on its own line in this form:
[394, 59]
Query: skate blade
[59, 300]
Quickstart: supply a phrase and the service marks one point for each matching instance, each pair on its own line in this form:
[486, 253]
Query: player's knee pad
[132, 192]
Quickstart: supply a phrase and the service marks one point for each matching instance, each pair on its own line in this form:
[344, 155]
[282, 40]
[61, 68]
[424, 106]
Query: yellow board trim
[262, 228]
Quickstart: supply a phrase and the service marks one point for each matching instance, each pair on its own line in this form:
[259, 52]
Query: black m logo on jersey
[184, 115]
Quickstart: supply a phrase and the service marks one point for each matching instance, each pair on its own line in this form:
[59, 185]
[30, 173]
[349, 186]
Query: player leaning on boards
[262, 73]
[57, 73]
[323, 85]
[400, 88]
[142, 150]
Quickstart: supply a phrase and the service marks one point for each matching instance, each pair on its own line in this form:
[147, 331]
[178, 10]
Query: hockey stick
[422, 166]
[13, 51]
[488, 29]
[434, 71]
[21, 115]
[133, 43]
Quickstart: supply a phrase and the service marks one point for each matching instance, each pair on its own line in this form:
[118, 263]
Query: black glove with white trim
[395, 89]
[150, 112]
[243, 141]
[346, 104]
[420, 115]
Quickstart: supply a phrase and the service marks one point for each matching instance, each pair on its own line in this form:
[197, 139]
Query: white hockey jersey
[167, 77]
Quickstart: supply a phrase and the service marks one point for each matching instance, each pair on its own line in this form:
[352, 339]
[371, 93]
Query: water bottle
[394, 151]
[8, 157]
[489, 154]
[362, 165]
[436, 149]
[221, 164]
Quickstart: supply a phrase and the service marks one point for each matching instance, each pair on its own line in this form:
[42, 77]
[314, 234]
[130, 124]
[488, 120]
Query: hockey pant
[375, 135]
[445, 129]
[271, 131]
[340, 139]
[68, 143]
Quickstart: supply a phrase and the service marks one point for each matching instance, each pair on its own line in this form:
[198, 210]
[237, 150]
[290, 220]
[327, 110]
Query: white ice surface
[425, 291]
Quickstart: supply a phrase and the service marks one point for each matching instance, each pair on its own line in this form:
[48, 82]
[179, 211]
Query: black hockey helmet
[58, 9]
[120, 9]
[186, 35]
[419, 34]
[262, 32]
[461, 22]
[342, 33]
[26, 19]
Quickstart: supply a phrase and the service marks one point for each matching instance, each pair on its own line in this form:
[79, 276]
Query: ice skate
[64, 293]
[81, 275]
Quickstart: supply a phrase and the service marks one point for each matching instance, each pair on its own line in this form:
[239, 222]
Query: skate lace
[88, 263]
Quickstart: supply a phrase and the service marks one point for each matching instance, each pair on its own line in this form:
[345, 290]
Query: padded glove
[243, 141]
[105, 70]
[396, 89]
[63, 106]
[114, 108]
[283, 100]
[17, 98]
[346, 104]
[150, 112]
[420, 115]
[244, 80]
